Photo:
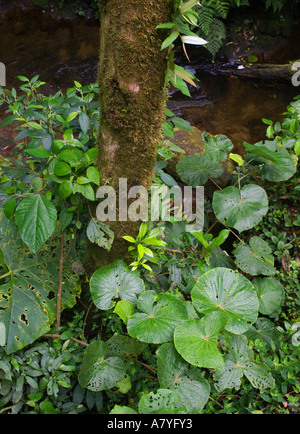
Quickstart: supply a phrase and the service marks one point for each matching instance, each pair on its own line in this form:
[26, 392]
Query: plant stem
[60, 279]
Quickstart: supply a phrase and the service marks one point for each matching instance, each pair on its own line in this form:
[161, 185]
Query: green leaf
[93, 175]
[85, 190]
[197, 341]
[99, 371]
[122, 409]
[270, 293]
[196, 169]
[263, 329]
[62, 168]
[65, 189]
[28, 298]
[241, 209]
[115, 281]
[255, 258]
[84, 122]
[278, 166]
[124, 309]
[241, 362]
[72, 116]
[161, 402]
[99, 233]
[174, 35]
[159, 314]
[181, 123]
[217, 147]
[39, 152]
[176, 374]
[37, 184]
[229, 294]
[9, 207]
[36, 218]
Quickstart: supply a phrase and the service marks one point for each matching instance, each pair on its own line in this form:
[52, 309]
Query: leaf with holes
[270, 293]
[240, 362]
[159, 315]
[163, 401]
[176, 374]
[99, 233]
[197, 341]
[115, 281]
[241, 209]
[28, 294]
[36, 218]
[255, 258]
[99, 370]
[229, 294]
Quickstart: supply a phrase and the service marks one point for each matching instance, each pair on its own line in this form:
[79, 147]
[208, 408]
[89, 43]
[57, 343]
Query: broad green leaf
[217, 147]
[161, 402]
[278, 166]
[270, 293]
[263, 329]
[115, 281]
[28, 298]
[39, 152]
[86, 191]
[99, 371]
[196, 169]
[176, 374]
[197, 341]
[65, 189]
[255, 258]
[229, 294]
[36, 218]
[62, 168]
[158, 317]
[124, 346]
[9, 207]
[241, 209]
[241, 362]
[99, 233]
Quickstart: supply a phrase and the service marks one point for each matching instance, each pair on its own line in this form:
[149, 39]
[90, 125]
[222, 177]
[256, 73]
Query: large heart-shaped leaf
[241, 362]
[278, 166]
[115, 281]
[36, 218]
[197, 341]
[159, 316]
[164, 401]
[217, 147]
[230, 294]
[255, 258]
[176, 374]
[28, 293]
[241, 209]
[196, 169]
[99, 370]
[270, 293]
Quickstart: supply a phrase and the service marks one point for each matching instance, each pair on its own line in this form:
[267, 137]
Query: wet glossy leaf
[255, 258]
[196, 169]
[229, 294]
[115, 281]
[270, 293]
[241, 209]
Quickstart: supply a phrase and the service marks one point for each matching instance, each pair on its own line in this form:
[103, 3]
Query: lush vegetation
[196, 322]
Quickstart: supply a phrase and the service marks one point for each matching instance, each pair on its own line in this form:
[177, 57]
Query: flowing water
[61, 50]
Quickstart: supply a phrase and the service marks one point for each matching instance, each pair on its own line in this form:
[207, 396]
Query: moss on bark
[132, 71]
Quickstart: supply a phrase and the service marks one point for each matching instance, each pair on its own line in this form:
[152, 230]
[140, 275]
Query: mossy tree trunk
[132, 71]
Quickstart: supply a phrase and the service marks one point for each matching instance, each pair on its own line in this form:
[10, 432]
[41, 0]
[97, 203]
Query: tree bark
[132, 70]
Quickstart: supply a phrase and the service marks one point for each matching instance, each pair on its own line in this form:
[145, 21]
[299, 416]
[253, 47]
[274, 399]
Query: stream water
[64, 50]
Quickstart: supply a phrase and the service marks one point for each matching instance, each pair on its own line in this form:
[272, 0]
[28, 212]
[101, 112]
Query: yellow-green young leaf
[237, 158]
[129, 239]
[141, 250]
[125, 310]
